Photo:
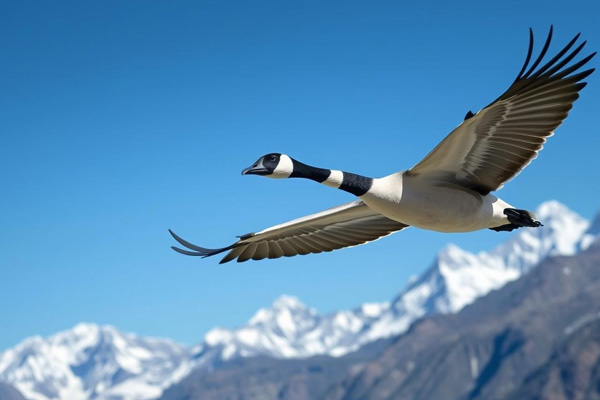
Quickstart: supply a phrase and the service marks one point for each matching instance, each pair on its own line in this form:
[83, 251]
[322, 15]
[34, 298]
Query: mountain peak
[85, 331]
[286, 301]
[85, 327]
[281, 310]
[556, 215]
[286, 317]
[457, 277]
[92, 361]
[452, 256]
[550, 208]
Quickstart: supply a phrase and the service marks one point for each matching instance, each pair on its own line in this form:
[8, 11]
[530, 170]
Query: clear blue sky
[122, 119]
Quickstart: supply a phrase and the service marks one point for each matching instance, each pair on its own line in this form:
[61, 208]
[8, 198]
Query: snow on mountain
[93, 362]
[592, 233]
[275, 331]
[289, 329]
[466, 276]
[100, 363]
[457, 278]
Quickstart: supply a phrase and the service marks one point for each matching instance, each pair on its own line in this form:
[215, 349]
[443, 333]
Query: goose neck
[349, 182]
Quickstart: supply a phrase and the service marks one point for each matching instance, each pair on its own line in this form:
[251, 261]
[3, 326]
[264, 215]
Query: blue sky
[123, 119]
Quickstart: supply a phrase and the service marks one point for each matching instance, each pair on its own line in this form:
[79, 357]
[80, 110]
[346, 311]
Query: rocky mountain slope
[501, 346]
[572, 371]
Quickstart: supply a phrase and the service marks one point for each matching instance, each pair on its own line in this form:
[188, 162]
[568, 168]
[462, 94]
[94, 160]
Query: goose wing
[347, 225]
[493, 146]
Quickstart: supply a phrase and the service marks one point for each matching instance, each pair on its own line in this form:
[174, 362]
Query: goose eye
[272, 158]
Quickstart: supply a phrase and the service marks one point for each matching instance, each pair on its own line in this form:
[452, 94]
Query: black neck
[302, 170]
[358, 185]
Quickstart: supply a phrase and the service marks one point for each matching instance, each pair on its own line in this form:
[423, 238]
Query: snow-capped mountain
[290, 329]
[457, 277]
[93, 362]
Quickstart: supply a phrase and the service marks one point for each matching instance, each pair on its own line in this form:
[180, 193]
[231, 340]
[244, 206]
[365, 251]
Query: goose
[448, 191]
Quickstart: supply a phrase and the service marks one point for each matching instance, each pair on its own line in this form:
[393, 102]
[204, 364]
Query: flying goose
[448, 191]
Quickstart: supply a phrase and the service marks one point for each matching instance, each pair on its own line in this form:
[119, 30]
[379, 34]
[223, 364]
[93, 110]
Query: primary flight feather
[448, 191]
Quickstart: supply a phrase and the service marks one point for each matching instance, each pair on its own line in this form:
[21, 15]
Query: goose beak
[256, 169]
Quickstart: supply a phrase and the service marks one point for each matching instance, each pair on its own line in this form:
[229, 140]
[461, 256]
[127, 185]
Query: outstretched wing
[347, 225]
[493, 146]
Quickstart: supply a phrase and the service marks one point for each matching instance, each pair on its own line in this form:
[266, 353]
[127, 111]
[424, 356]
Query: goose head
[272, 165]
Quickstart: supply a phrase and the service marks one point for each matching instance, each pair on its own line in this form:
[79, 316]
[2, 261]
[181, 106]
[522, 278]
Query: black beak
[256, 169]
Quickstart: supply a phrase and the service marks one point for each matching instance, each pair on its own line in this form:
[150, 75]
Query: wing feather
[495, 144]
[347, 225]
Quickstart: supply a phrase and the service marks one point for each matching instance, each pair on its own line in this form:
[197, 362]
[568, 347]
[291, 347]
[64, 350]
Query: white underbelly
[439, 208]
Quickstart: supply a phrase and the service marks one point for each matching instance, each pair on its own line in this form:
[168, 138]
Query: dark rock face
[492, 349]
[573, 370]
[266, 378]
[8, 392]
[536, 338]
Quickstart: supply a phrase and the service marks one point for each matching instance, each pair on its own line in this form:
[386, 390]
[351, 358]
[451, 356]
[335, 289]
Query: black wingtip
[188, 244]
[187, 253]
[197, 250]
[528, 58]
[554, 65]
[541, 55]
[557, 68]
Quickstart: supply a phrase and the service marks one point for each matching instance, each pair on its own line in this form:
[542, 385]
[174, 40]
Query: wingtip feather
[197, 250]
[185, 252]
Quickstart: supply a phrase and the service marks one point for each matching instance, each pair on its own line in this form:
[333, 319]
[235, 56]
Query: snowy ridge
[456, 278]
[92, 362]
[290, 329]
[466, 276]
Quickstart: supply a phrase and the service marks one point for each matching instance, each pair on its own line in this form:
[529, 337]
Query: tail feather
[518, 219]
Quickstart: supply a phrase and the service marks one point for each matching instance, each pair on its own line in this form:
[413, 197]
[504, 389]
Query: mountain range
[93, 362]
[99, 362]
[536, 338]
[289, 329]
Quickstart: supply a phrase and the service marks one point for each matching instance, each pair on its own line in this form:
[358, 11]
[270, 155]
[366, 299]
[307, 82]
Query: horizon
[124, 120]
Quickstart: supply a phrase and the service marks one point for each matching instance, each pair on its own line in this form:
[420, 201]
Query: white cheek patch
[284, 169]
[334, 179]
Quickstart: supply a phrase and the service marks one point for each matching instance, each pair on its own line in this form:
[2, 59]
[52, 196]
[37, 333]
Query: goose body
[448, 191]
[423, 204]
